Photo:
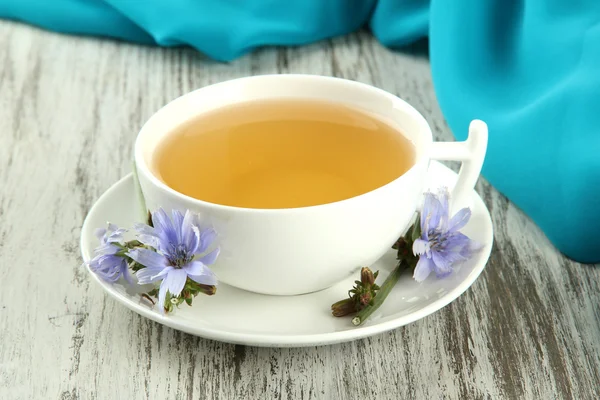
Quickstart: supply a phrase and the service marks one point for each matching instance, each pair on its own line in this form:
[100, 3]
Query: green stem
[381, 295]
[121, 253]
[133, 243]
[127, 246]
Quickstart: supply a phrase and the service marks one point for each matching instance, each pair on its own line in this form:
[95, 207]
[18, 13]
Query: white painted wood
[69, 111]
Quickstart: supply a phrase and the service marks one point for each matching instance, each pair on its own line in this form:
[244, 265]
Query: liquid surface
[282, 154]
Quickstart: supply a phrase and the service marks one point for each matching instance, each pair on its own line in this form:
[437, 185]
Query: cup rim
[142, 167]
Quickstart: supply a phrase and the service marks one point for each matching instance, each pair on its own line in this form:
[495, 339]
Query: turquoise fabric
[530, 69]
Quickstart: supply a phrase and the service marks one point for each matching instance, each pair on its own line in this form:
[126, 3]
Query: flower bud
[366, 276]
[344, 307]
[365, 298]
[207, 289]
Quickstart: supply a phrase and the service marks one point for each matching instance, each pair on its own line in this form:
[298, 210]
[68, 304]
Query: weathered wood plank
[69, 111]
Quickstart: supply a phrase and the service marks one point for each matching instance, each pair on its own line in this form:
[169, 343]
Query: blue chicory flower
[441, 245]
[106, 263]
[178, 241]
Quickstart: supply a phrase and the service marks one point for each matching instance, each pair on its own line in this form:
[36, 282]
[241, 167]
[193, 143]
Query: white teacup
[301, 250]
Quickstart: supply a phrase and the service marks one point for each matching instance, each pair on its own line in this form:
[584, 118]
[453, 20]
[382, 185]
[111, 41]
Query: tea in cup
[305, 178]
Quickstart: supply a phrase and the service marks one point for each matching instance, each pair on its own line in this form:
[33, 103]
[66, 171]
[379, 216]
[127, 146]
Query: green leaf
[136, 266]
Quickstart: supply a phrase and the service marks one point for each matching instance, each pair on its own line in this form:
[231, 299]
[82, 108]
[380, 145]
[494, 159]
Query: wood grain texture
[69, 111]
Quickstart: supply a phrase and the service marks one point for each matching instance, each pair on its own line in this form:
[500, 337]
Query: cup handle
[471, 153]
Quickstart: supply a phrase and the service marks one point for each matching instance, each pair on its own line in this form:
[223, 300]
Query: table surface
[70, 108]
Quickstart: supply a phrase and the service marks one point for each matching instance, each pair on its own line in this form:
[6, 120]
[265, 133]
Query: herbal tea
[282, 154]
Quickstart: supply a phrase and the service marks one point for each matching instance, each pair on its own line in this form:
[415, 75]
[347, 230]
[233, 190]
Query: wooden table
[69, 111]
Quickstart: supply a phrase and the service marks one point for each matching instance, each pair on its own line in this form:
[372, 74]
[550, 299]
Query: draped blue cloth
[530, 69]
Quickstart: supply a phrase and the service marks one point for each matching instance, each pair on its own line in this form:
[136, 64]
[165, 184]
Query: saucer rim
[283, 340]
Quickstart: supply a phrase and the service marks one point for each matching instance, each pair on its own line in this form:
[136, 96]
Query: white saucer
[237, 316]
